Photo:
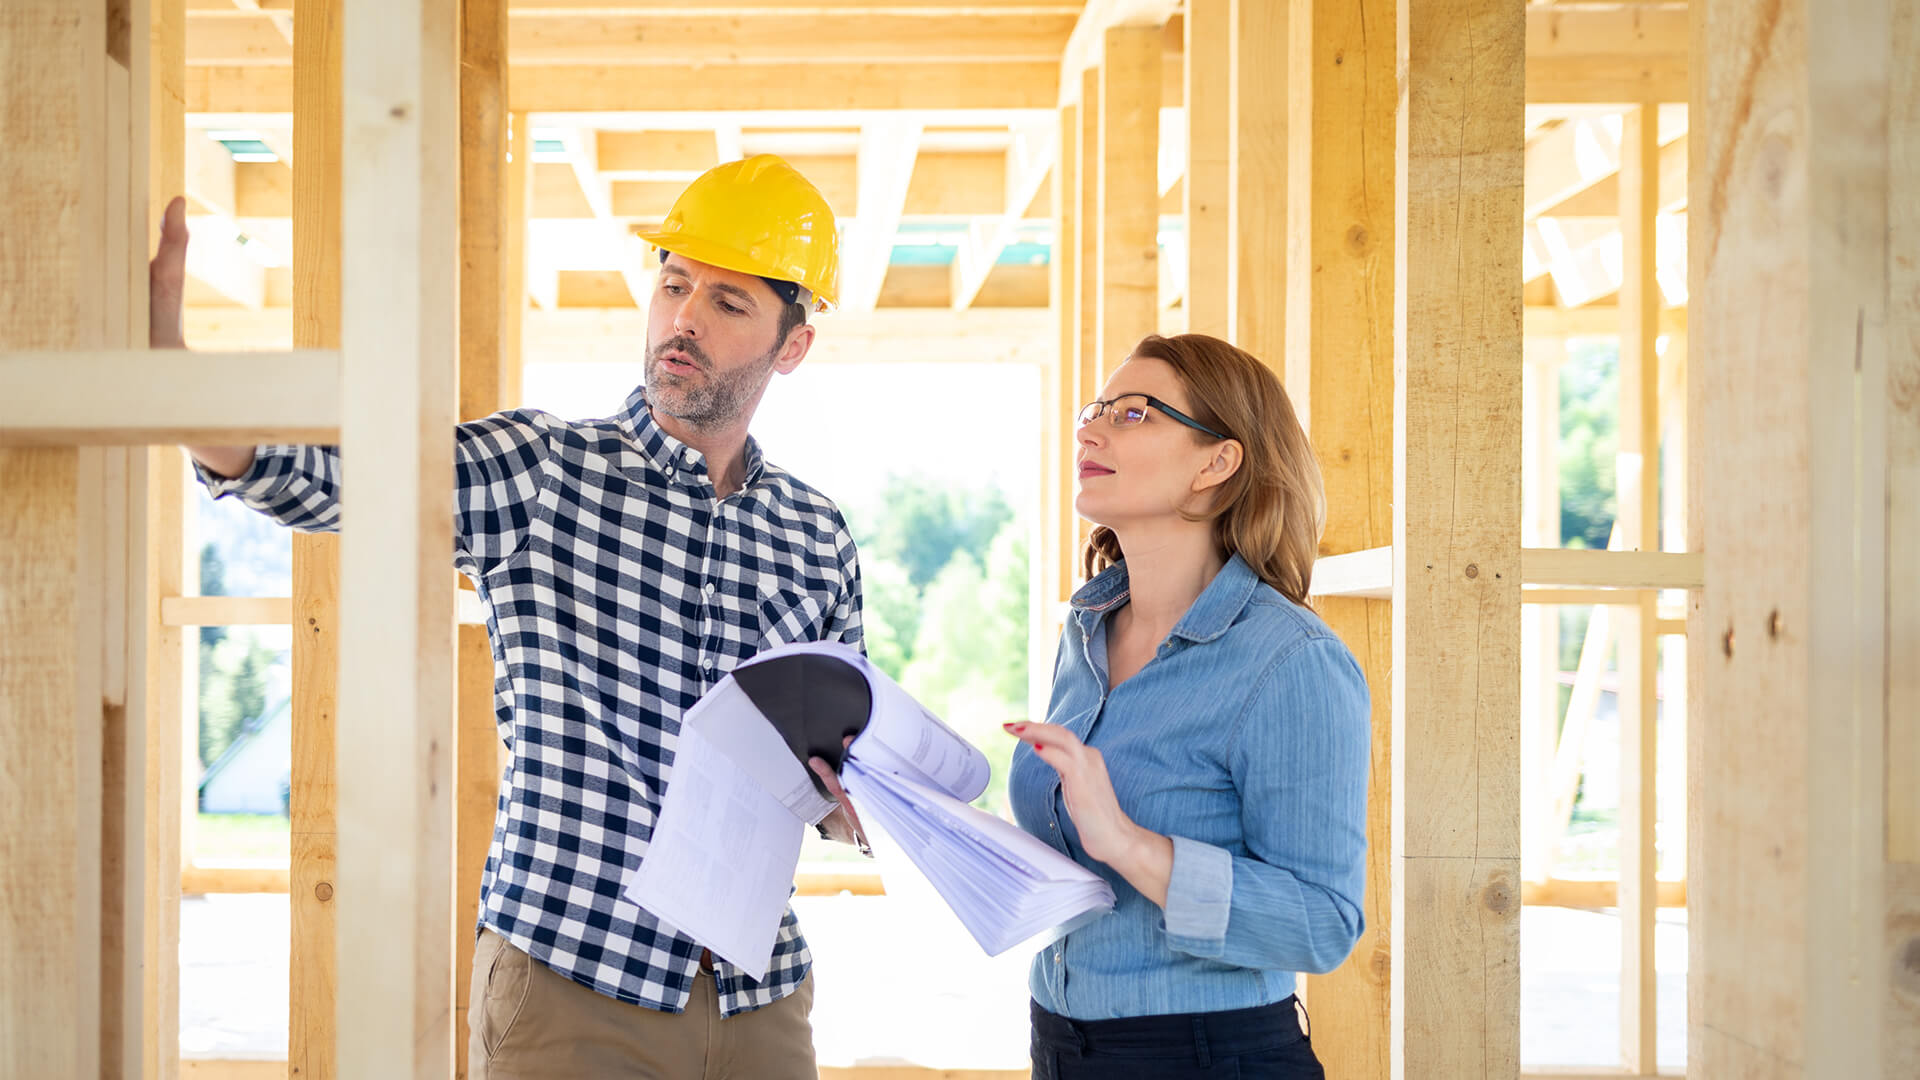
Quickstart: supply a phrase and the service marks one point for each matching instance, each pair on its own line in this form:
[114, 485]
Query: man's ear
[799, 340]
[1226, 460]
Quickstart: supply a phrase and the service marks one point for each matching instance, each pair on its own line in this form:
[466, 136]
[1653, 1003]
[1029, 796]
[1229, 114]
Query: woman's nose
[1090, 434]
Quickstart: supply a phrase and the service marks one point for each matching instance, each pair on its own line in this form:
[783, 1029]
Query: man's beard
[718, 400]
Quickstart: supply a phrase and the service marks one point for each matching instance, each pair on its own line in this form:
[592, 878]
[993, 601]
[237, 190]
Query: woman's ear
[1221, 467]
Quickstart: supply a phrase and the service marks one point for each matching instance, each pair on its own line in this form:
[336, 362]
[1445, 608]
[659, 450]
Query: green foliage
[1589, 439]
[233, 672]
[944, 579]
[919, 525]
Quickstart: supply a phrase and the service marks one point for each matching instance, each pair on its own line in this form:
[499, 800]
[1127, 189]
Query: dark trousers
[1261, 1043]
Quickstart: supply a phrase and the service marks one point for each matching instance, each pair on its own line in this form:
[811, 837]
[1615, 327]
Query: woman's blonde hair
[1271, 511]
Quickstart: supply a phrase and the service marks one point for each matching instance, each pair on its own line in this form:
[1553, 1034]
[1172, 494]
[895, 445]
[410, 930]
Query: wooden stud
[1903, 500]
[1637, 483]
[54, 82]
[1257, 158]
[1127, 216]
[1456, 677]
[1058, 492]
[1086, 312]
[313, 839]
[1207, 187]
[1810, 964]
[398, 339]
[486, 310]
[513, 281]
[1540, 628]
[1338, 369]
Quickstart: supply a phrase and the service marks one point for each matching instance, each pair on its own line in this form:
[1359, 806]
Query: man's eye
[673, 288]
[730, 309]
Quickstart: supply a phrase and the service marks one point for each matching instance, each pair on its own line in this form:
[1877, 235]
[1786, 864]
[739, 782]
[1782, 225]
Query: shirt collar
[1218, 605]
[668, 454]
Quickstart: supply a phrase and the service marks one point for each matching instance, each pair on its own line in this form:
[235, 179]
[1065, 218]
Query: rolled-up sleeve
[1291, 900]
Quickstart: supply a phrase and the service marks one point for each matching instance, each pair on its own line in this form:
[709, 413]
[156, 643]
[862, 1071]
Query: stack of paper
[719, 867]
[1004, 885]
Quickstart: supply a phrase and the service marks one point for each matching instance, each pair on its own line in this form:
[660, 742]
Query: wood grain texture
[399, 351]
[1457, 404]
[1127, 217]
[1338, 369]
[1795, 187]
[311, 1050]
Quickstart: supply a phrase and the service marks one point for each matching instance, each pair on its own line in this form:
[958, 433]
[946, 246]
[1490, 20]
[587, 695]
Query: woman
[1207, 741]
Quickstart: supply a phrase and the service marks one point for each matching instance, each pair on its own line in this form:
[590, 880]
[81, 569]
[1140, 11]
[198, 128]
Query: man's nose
[684, 323]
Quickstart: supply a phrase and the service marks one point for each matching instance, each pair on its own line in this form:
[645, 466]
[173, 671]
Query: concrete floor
[233, 984]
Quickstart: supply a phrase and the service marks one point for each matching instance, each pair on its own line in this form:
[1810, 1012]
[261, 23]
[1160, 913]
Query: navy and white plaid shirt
[618, 591]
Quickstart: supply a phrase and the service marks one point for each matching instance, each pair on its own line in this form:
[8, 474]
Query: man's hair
[792, 314]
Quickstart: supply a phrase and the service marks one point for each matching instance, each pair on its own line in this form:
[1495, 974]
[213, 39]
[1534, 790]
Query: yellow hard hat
[758, 216]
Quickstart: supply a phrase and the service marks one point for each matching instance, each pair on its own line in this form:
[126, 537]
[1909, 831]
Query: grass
[219, 838]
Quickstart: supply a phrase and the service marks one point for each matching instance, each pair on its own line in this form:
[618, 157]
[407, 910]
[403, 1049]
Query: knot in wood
[1473, 570]
[323, 891]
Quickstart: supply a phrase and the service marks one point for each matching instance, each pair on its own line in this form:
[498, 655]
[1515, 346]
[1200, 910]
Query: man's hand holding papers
[738, 800]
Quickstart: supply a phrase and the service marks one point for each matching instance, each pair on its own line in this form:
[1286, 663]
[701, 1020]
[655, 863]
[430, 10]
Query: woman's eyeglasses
[1128, 410]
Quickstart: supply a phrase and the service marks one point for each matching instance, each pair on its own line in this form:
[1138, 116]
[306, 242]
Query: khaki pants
[528, 1022]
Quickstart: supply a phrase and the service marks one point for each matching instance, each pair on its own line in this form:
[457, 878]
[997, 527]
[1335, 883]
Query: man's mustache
[685, 346]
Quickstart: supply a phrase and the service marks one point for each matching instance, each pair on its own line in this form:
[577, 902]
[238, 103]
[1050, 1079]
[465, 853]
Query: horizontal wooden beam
[651, 39]
[262, 1069]
[1592, 320]
[198, 879]
[271, 610]
[1625, 53]
[1366, 573]
[1369, 573]
[137, 397]
[1612, 569]
[226, 611]
[549, 88]
[1582, 893]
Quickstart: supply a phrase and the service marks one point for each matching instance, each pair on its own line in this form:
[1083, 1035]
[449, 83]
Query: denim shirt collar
[668, 454]
[1218, 605]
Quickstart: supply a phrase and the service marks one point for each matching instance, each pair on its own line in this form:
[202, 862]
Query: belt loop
[1200, 1052]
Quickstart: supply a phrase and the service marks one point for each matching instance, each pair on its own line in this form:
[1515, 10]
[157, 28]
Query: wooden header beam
[122, 397]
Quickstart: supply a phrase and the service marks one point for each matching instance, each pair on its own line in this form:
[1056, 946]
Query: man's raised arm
[166, 284]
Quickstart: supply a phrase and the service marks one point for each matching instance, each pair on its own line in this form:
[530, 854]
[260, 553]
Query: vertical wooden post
[1127, 222]
[1086, 360]
[1456, 518]
[1638, 490]
[1902, 774]
[1804, 120]
[1257, 160]
[398, 340]
[53, 294]
[486, 309]
[1539, 623]
[316, 558]
[513, 285]
[163, 570]
[1338, 365]
[1208, 186]
[1058, 486]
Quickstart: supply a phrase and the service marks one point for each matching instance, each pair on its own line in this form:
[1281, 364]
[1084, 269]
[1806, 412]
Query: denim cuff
[1199, 896]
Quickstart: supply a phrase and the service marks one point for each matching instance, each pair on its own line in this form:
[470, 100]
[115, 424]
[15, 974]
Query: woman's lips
[1088, 468]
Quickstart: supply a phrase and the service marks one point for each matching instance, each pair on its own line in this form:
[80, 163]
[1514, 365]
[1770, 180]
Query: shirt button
[689, 455]
[669, 472]
[1050, 825]
[707, 663]
[1056, 956]
[709, 590]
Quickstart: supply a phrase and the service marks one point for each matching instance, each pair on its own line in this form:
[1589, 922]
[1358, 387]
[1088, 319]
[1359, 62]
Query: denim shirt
[1246, 738]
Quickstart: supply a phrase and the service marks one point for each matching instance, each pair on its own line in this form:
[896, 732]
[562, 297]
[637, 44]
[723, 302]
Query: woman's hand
[1143, 857]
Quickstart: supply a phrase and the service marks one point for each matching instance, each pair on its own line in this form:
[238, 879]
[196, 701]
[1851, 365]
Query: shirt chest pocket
[789, 614]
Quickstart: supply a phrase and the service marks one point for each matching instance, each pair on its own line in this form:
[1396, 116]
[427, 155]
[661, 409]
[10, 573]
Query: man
[627, 565]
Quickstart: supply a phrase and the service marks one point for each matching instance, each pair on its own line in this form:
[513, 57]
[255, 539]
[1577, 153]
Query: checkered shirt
[618, 590]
